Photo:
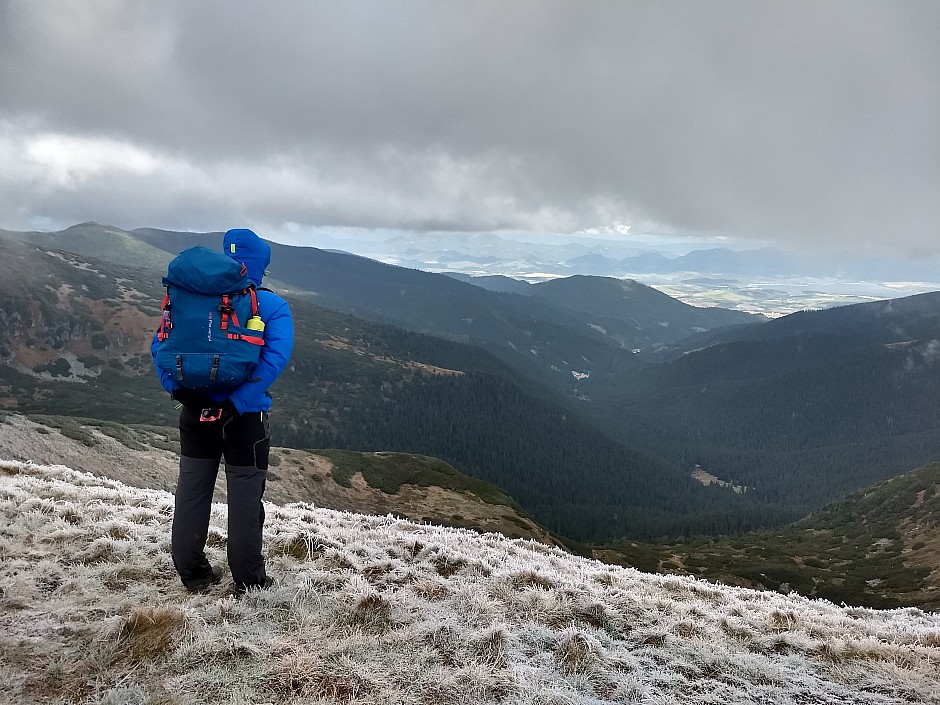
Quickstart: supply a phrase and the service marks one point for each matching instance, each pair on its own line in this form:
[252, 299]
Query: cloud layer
[803, 121]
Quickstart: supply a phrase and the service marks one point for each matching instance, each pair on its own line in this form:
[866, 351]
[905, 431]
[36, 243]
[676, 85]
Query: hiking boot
[202, 585]
[242, 588]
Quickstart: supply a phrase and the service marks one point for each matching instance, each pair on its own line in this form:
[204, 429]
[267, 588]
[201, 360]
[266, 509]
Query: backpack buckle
[210, 415]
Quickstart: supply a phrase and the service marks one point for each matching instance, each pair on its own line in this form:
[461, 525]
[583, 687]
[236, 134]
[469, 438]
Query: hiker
[231, 422]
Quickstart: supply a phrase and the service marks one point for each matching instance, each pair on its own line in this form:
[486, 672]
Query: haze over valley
[703, 272]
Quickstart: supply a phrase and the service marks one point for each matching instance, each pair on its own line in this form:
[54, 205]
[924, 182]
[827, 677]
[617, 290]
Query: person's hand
[192, 399]
[228, 410]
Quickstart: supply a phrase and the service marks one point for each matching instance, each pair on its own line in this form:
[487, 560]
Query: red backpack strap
[227, 312]
[165, 323]
[253, 339]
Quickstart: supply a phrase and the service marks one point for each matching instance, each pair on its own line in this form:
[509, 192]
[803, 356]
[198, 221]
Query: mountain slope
[534, 337]
[78, 345]
[378, 610]
[636, 315]
[878, 547]
[561, 330]
[801, 409]
[406, 485]
[73, 322]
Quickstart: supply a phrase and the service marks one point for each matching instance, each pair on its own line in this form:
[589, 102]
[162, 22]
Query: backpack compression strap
[227, 311]
[166, 325]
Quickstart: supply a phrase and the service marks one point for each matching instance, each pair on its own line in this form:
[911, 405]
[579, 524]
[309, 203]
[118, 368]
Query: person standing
[233, 424]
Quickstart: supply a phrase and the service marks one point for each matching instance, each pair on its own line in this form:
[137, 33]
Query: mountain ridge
[542, 335]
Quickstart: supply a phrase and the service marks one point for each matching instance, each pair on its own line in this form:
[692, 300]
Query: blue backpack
[209, 337]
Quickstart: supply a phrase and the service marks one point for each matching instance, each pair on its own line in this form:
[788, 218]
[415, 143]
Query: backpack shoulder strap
[165, 323]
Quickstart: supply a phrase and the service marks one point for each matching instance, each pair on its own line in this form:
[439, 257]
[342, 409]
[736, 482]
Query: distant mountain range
[769, 281]
[559, 256]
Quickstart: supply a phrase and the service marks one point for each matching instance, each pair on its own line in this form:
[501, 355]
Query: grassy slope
[99, 242]
[878, 547]
[414, 487]
[377, 610]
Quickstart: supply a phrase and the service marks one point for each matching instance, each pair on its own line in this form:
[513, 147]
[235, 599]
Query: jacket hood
[244, 246]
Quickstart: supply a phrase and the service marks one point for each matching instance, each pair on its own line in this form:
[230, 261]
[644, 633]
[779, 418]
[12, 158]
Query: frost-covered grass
[380, 610]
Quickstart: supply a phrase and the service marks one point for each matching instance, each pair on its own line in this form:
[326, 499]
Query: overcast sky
[801, 122]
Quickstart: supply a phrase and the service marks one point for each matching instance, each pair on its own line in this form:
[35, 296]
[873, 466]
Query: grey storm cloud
[807, 122]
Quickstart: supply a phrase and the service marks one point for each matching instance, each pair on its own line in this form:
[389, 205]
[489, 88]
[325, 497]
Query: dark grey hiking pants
[244, 441]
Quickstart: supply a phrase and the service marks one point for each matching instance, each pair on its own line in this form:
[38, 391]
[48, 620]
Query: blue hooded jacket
[246, 247]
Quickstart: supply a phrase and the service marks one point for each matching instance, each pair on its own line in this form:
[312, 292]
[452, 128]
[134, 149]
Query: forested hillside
[78, 344]
[789, 413]
[561, 469]
[878, 547]
[800, 410]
